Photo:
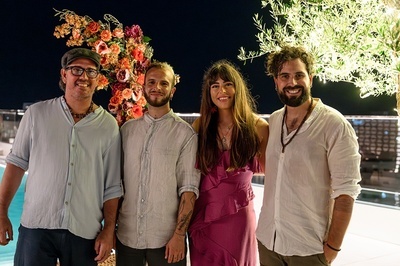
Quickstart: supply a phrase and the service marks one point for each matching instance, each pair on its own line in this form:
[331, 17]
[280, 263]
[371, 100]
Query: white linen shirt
[159, 165]
[321, 163]
[73, 167]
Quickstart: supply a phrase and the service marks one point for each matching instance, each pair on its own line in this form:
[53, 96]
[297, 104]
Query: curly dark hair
[275, 60]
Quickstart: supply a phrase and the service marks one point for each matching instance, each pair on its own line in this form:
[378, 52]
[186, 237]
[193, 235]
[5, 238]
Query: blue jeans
[42, 247]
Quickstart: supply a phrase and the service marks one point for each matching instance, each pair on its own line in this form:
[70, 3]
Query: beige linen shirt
[321, 163]
[159, 165]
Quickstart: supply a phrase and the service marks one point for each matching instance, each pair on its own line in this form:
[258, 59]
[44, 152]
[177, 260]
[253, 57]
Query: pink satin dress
[222, 231]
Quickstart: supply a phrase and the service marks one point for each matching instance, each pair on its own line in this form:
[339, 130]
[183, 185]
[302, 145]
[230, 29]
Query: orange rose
[125, 64]
[115, 49]
[140, 79]
[116, 99]
[118, 32]
[141, 101]
[103, 82]
[138, 55]
[93, 27]
[105, 35]
[136, 111]
[127, 94]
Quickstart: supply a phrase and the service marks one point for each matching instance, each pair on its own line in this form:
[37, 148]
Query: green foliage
[356, 41]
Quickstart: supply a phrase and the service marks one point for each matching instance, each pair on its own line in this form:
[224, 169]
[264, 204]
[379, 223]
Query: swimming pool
[14, 212]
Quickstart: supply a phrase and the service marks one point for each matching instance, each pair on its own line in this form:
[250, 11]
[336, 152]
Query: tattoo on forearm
[184, 218]
[183, 224]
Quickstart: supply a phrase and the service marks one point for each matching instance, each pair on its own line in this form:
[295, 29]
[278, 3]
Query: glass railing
[378, 138]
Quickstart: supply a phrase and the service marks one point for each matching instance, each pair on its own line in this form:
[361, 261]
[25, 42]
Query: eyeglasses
[78, 71]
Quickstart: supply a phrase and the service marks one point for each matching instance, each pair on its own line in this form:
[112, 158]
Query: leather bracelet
[335, 249]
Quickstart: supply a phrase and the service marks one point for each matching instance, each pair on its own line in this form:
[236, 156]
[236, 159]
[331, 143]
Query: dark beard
[159, 102]
[294, 101]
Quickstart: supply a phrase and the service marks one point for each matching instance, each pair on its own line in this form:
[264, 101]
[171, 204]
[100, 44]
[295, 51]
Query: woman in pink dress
[232, 142]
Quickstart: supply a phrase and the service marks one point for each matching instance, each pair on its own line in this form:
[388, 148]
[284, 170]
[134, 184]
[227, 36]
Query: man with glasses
[71, 147]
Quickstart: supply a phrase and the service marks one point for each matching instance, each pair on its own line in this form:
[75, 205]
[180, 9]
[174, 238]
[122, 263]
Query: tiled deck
[372, 239]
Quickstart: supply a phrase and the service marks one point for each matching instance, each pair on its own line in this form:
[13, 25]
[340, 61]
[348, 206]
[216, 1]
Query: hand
[6, 231]
[330, 254]
[103, 245]
[175, 249]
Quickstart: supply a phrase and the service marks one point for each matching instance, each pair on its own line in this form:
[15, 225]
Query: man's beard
[294, 101]
[157, 102]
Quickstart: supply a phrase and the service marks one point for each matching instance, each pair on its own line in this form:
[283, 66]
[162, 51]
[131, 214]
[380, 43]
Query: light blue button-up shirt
[73, 167]
[159, 165]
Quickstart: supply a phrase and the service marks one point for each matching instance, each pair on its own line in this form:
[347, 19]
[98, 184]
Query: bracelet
[335, 249]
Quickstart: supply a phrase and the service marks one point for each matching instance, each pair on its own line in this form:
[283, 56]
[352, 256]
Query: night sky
[190, 35]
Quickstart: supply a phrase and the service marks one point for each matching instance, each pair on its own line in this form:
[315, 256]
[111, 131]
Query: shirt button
[142, 200]
[141, 216]
[69, 183]
[66, 203]
[72, 164]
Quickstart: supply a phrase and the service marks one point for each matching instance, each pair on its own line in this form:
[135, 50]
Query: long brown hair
[245, 142]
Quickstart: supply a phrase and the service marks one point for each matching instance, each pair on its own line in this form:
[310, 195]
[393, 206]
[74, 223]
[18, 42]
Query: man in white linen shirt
[159, 177]
[312, 170]
[72, 148]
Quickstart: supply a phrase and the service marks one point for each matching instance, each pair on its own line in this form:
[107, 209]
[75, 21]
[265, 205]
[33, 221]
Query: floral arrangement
[125, 54]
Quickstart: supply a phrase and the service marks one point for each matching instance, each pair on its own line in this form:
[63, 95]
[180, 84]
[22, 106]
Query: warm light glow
[355, 41]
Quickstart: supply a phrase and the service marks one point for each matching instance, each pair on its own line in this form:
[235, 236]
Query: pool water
[14, 213]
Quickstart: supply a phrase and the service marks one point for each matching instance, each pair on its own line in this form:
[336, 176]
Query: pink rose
[102, 48]
[112, 108]
[118, 87]
[134, 32]
[137, 95]
[123, 75]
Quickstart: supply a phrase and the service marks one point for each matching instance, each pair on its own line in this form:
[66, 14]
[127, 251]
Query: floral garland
[125, 54]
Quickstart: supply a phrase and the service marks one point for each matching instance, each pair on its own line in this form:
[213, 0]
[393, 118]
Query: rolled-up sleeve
[344, 162]
[188, 176]
[19, 155]
[112, 170]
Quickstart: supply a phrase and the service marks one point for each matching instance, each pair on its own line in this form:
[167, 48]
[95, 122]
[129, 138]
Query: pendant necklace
[297, 130]
[223, 139]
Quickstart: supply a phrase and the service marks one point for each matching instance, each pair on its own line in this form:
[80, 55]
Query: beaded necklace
[297, 130]
[80, 116]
